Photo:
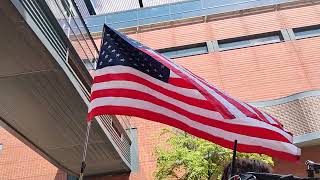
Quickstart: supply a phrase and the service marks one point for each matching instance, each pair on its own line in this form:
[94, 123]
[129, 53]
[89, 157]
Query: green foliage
[186, 157]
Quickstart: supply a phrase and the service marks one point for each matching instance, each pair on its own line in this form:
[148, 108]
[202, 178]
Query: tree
[185, 157]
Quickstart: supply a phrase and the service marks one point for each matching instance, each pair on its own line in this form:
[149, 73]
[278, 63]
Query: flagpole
[85, 146]
[233, 164]
[84, 154]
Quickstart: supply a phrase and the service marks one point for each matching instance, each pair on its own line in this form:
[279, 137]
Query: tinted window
[124, 16]
[95, 21]
[247, 41]
[88, 64]
[305, 32]
[183, 51]
[154, 11]
[186, 6]
[71, 177]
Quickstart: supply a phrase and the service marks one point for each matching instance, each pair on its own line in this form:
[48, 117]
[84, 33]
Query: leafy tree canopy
[185, 157]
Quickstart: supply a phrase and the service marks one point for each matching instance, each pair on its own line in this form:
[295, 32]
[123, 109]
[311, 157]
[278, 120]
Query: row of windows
[234, 43]
[173, 12]
[223, 45]
[240, 42]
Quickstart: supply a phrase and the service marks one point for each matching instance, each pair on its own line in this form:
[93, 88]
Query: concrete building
[263, 52]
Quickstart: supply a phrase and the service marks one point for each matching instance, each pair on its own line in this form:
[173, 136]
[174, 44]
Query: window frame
[88, 64]
[253, 40]
[185, 47]
[305, 29]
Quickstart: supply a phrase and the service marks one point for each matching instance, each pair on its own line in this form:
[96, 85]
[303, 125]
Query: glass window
[185, 6]
[127, 24]
[183, 51]
[71, 177]
[210, 3]
[233, 45]
[97, 28]
[95, 20]
[1, 147]
[89, 65]
[154, 19]
[178, 10]
[306, 32]
[247, 41]
[153, 11]
[187, 14]
[124, 16]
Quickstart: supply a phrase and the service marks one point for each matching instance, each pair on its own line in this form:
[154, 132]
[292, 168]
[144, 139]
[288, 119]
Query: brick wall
[299, 168]
[148, 139]
[17, 161]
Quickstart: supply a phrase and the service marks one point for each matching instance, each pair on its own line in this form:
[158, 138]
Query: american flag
[132, 79]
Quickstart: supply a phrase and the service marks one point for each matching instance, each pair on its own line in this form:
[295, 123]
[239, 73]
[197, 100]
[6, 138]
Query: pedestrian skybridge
[44, 89]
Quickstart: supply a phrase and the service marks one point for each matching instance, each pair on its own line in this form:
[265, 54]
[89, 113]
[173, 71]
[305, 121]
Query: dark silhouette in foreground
[249, 169]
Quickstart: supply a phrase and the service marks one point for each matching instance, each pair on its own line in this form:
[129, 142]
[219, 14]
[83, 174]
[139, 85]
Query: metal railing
[119, 136]
[172, 12]
[72, 23]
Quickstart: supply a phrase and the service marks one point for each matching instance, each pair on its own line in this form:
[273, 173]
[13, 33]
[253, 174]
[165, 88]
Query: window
[182, 51]
[89, 65]
[306, 32]
[71, 177]
[248, 41]
[0, 148]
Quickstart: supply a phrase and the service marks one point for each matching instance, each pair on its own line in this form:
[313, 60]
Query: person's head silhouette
[246, 165]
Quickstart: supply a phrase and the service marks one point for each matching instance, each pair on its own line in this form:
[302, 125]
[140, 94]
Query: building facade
[265, 55]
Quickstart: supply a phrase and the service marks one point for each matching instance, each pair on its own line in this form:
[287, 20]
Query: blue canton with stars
[117, 49]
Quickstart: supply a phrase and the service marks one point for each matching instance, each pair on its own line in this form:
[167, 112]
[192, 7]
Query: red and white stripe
[189, 103]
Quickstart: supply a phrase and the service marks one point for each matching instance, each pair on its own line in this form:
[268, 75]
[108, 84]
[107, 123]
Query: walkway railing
[172, 12]
[62, 24]
[73, 24]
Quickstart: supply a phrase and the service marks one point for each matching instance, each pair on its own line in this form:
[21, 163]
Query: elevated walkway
[44, 92]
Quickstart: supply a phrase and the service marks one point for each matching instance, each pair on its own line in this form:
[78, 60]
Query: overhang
[299, 113]
[43, 102]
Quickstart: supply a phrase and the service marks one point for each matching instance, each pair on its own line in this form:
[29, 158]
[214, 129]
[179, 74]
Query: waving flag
[134, 80]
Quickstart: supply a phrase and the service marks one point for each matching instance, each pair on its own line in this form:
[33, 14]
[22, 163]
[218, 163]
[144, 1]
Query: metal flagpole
[233, 164]
[85, 146]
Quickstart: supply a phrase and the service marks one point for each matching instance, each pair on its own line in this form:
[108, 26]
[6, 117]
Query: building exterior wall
[256, 73]
[300, 115]
[299, 168]
[18, 161]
